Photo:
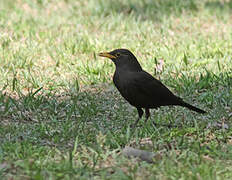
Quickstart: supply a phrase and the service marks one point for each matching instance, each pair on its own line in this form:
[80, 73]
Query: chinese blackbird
[138, 87]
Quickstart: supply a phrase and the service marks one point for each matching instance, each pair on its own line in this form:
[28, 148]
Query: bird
[139, 87]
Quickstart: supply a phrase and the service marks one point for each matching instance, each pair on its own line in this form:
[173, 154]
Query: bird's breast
[120, 81]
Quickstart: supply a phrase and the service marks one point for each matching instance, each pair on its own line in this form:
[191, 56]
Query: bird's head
[123, 58]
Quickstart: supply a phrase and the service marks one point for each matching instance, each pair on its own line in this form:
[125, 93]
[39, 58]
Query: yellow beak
[106, 54]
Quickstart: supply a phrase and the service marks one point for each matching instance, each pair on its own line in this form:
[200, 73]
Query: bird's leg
[140, 112]
[147, 114]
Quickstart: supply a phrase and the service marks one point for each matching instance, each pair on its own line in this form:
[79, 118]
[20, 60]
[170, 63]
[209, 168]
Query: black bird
[138, 87]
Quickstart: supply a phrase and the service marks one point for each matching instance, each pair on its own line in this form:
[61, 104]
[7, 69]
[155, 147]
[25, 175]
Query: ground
[61, 116]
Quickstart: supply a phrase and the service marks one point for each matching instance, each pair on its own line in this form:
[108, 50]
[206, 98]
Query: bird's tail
[192, 107]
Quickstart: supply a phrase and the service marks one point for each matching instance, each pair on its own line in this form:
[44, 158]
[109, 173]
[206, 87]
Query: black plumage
[138, 87]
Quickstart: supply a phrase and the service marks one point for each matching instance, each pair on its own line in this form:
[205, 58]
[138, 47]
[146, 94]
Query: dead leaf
[159, 66]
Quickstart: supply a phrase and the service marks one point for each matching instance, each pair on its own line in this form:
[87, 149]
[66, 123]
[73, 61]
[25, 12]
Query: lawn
[61, 116]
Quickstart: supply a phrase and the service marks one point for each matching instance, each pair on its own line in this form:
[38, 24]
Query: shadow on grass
[159, 9]
[219, 5]
[46, 117]
[56, 119]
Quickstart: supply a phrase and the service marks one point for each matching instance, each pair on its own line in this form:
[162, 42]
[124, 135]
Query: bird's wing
[153, 90]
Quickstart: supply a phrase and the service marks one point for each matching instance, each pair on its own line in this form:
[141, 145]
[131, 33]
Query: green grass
[62, 118]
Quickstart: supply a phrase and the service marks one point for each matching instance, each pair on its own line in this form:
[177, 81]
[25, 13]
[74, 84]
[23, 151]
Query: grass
[62, 118]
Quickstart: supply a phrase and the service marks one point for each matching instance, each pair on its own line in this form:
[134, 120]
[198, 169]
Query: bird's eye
[117, 54]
